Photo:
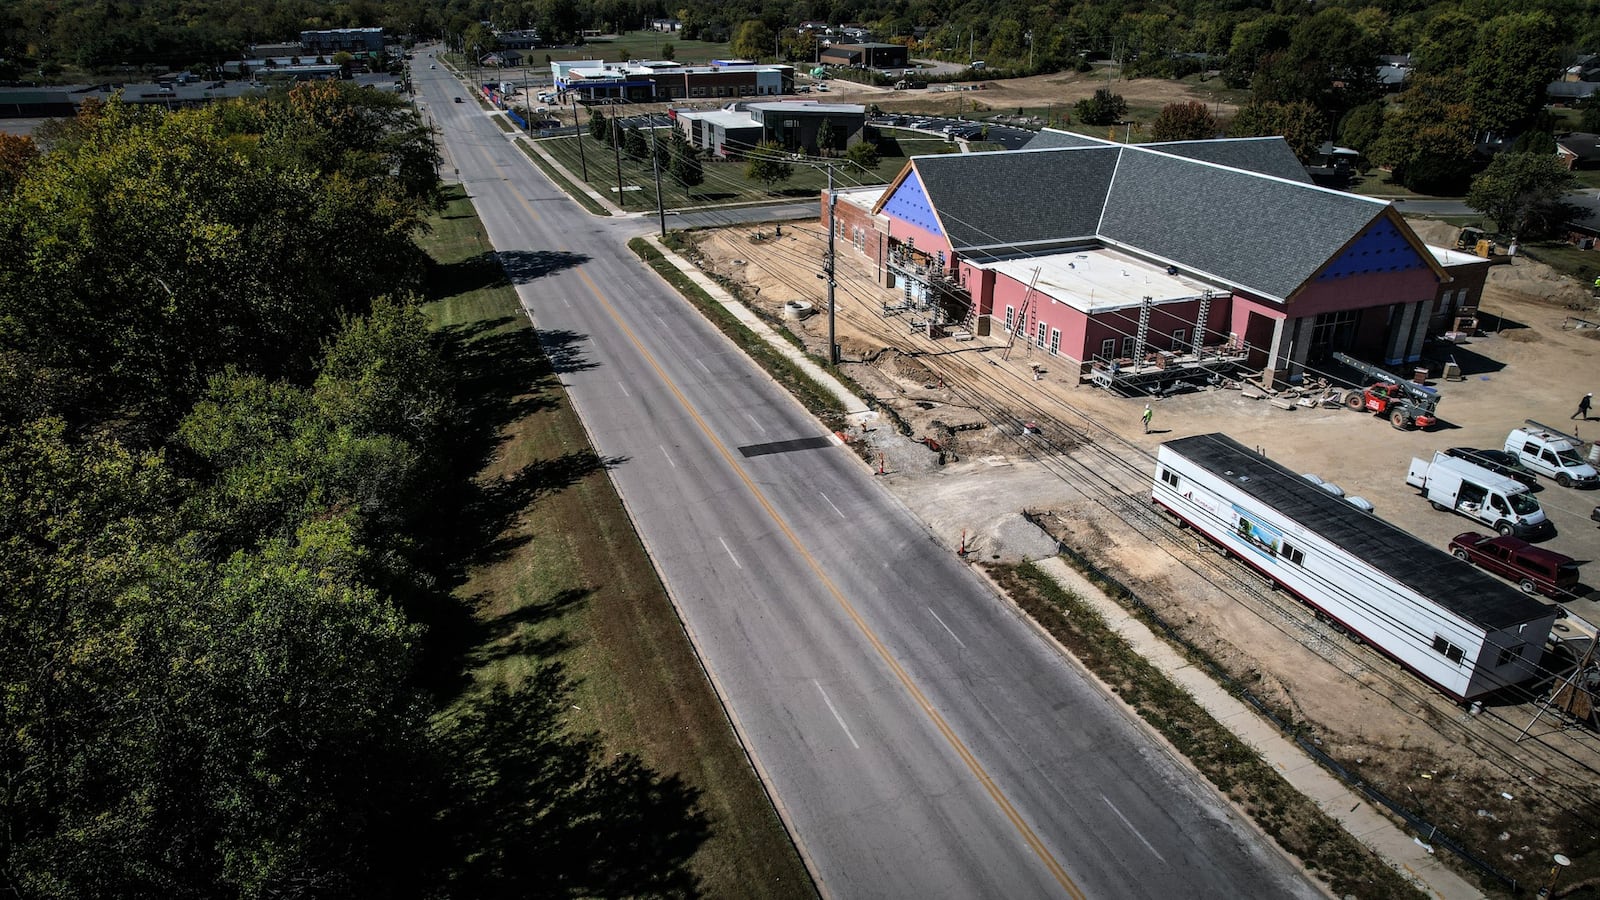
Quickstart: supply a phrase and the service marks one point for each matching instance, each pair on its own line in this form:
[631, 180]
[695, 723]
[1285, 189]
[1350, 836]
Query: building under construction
[1148, 264]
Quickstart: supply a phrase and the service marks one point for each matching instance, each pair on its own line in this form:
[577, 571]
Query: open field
[1089, 472]
[564, 580]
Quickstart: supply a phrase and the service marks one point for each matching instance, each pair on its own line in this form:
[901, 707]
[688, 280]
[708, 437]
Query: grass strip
[1291, 818]
[567, 580]
[813, 396]
[561, 181]
[504, 123]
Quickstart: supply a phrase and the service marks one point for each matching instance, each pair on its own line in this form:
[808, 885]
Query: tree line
[227, 437]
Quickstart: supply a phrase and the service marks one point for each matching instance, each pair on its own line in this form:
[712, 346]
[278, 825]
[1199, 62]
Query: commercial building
[651, 81]
[351, 40]
[1130, 259]
[795, 125]
[866, 56]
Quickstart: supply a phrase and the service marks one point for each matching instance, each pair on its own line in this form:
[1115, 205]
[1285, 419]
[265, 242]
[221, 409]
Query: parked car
[1534, 569]
[1498, 462]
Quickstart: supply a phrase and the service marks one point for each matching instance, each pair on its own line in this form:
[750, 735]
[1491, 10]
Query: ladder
[1023, 322]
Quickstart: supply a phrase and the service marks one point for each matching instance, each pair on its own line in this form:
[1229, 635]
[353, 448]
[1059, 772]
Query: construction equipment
[1405, 404]
[1475, 241]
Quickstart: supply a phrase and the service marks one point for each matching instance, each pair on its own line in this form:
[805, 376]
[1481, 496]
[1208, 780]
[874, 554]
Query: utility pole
[616, 146]
[655, 165]
[577, 132]
[833, 200]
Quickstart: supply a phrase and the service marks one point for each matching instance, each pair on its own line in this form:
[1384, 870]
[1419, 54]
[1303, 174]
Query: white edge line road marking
[701, 364]
[668, 456]
[948, 631]
[755, 423]
[830, 503]
[730, 552]
[1132, 829]
[624, 389]
[836, 717]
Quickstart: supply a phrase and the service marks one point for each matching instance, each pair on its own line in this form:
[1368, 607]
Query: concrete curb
[1361, 820]
[854, 406]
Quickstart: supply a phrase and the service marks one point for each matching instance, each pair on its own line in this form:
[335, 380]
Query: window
[1531, 449]
[1038, 339]
[1108, 348]
[1011, 315]
[1055, 341]
[1508, 655]
[1180, 340]
[1169, 476]
[1448, 650]
[1293, 554]
[1127, 347]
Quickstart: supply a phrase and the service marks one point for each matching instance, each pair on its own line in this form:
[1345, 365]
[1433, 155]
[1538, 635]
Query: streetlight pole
[833, 200]
[578, 133]
[616, 147]
[655, 165]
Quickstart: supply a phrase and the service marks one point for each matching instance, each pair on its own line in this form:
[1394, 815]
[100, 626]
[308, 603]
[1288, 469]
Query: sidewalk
[854, 407]
[1405, 854]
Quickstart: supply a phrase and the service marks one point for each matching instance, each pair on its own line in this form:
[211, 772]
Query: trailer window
[1448, 650]
[1169, 476]
[1508, 655]
[1293, 554]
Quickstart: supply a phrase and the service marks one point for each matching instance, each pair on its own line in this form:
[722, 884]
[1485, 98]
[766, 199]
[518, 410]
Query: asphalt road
[921, 739]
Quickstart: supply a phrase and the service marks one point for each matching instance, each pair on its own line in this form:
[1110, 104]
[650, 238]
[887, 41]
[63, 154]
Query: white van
[1455, 485]
[1552, 453]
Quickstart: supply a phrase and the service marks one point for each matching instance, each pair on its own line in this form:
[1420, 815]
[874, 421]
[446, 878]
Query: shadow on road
[523, 266]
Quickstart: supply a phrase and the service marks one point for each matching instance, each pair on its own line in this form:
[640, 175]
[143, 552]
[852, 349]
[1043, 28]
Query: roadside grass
[565, 579]
[1566, 259]
[1289, 817]
[640, 45]
[561, 181]
[725, 182]
[1377, 184]
[811, 395]
[504, 123]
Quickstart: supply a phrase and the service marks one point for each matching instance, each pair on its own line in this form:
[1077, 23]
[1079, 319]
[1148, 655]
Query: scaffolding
[934, 299]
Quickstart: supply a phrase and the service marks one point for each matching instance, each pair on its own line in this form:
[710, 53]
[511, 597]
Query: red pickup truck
[1534, 569]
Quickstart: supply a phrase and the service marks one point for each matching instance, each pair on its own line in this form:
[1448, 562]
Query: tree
[17, 152]
[599, 127]
[1360, 127]
[1104, 108]
[1253, 41]
[829, 137]
[1331, 63]
[1446, 44]
[1517, 55]
[668, 51]
[1298, 123]
[751, 39]
[633, 144]
[1427, 138]
[1524, 193]
[769, 164]
[685, 168]
[1589, 109]
[1190, 121]
[864, 154]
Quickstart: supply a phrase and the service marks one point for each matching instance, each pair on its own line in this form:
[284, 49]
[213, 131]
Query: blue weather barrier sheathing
[1425, 830]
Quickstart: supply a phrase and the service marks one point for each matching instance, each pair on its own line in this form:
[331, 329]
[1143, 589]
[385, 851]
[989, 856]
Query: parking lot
[1008, 136]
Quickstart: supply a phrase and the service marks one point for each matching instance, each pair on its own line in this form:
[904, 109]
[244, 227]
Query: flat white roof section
[1447, 257]
[1099, 280]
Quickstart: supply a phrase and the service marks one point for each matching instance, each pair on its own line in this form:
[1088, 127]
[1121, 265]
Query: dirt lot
[1090, 465]
[1144, 95]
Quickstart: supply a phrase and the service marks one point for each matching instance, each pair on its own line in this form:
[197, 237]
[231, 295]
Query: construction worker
[1148, 415]
[1583, 407]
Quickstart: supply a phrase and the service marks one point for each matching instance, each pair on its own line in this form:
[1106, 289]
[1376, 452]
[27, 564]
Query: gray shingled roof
[1262, 233]
[1006, 199]
[1051, 139]
[1267, 155]
[1265, 234]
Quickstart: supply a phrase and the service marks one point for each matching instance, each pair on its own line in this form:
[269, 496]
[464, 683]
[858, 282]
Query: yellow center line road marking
[1028, 835]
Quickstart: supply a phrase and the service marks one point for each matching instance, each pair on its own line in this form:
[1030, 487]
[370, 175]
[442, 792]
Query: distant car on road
[459, 100]
[1498, 462]
[433, 65]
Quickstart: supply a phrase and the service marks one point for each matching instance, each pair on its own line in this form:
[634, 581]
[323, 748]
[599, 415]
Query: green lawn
[561, 577]
[725, 182]
[641, 45]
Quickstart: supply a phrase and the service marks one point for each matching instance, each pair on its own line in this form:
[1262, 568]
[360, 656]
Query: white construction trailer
[1457, 628]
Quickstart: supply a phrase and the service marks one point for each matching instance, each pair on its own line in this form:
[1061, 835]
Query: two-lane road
[921, 740]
